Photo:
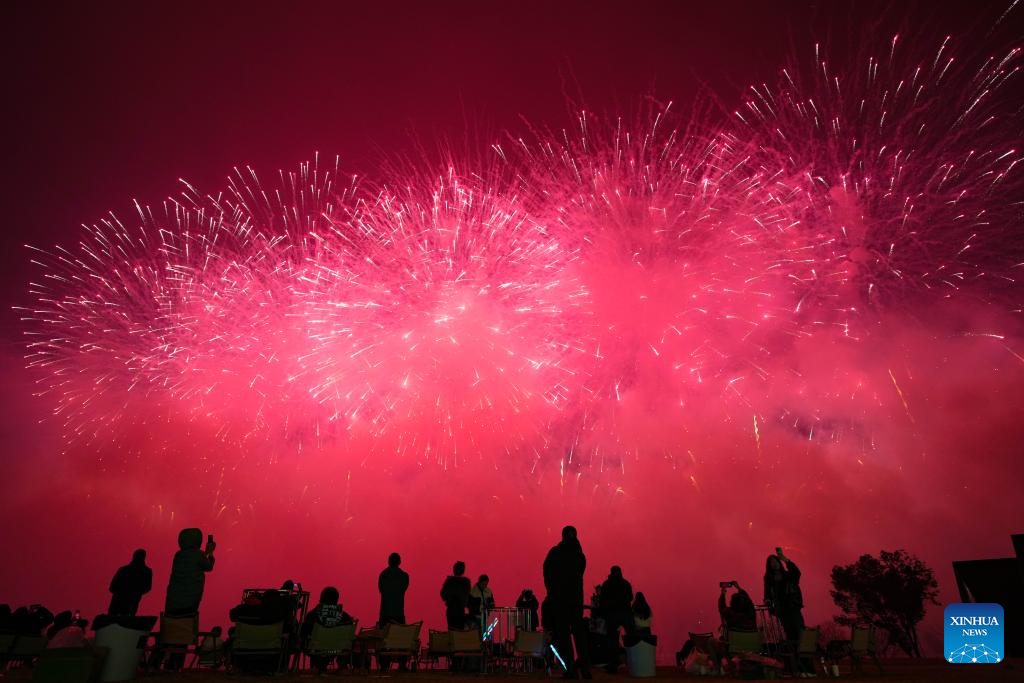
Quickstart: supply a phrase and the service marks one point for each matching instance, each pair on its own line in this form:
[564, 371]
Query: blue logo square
[973, 633]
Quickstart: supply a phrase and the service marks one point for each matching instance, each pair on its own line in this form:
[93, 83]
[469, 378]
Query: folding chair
[438, 646]
[528, 647]
[467, 643]
[254, 641]
[806, 649]
[25, 649]
[862, 644]
[69, 665]
[400, 640]
[335, 641]
[178, 635]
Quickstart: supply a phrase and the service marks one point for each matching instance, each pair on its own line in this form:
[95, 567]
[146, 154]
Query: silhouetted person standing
[188, 573]
[528, 601]
[392, 584]
[782, 593]
[455, 593]
[563, 579]
[616, 597]
[129, 584]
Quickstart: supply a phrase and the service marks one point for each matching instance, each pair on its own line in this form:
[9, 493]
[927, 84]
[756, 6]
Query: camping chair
[400, 640]
[208, 657]
[6, 641]
[438, 646]
[528, 647]
[69, 665]
[860, 645]
[258, 641]
[746, 648]
[178, 635]
[25, 649]
[467, 643]
[335, 641]
[806, 649]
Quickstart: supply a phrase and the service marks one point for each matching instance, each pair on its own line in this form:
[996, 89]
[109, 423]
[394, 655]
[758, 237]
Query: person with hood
[328, 614]
[392, 584]
[615, 597]
[455, 593]
[782, 593]
[129, 584]
[528, 601]
[563, 580]
[188, 573]
[481, 598]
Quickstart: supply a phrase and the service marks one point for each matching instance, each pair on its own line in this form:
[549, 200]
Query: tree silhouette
[890, 592]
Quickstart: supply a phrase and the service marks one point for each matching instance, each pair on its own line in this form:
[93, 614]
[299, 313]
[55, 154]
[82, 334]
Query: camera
[724, 584]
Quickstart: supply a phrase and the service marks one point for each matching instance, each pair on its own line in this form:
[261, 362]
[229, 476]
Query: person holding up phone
[782, 593]
[739, 614]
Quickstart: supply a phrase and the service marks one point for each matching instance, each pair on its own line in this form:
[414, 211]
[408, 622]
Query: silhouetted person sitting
[563, 580]
[782, 593]
[6, 619]
[328, 614]
[188, 573]
[392, 584]
[129, 584]
[481, 598]
[455, 593]
[67, 631]
[642, 615]
[739, 614]
[271, 607]
[614, 597]
[528, 601]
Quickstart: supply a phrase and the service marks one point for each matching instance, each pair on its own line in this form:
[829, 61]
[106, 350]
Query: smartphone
[778, 551]
[724, 584]
[209, 539]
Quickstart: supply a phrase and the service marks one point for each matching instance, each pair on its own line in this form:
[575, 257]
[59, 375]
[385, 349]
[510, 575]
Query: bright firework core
[709, 337]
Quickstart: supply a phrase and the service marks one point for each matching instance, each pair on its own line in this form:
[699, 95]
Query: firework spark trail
[549, 310]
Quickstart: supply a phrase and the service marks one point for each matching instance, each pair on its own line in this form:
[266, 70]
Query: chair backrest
[439, 642]
[401, 636]
[744, 641]
[529, 643]
[862, 639]
[258, 636]
[334, 639]
[27, 646]
[69, 665]
[179, 631]
[808, 641]
[466, 640]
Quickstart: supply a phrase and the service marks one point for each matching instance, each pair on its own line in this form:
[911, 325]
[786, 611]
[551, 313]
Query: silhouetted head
[394, 559]
[139, 556]
[329, 596]
[288, 585]
[640, 606]
[459, 568]
[216, 631]
[772, 567]
[483, 580]
[62, 620]
[190, 538]
[616, 572]
[741, 602]
[569, 533]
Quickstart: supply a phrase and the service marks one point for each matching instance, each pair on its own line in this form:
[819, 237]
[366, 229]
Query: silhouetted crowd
[620, 620]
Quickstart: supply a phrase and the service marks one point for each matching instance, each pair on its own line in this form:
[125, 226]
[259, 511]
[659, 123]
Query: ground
[897, 671]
